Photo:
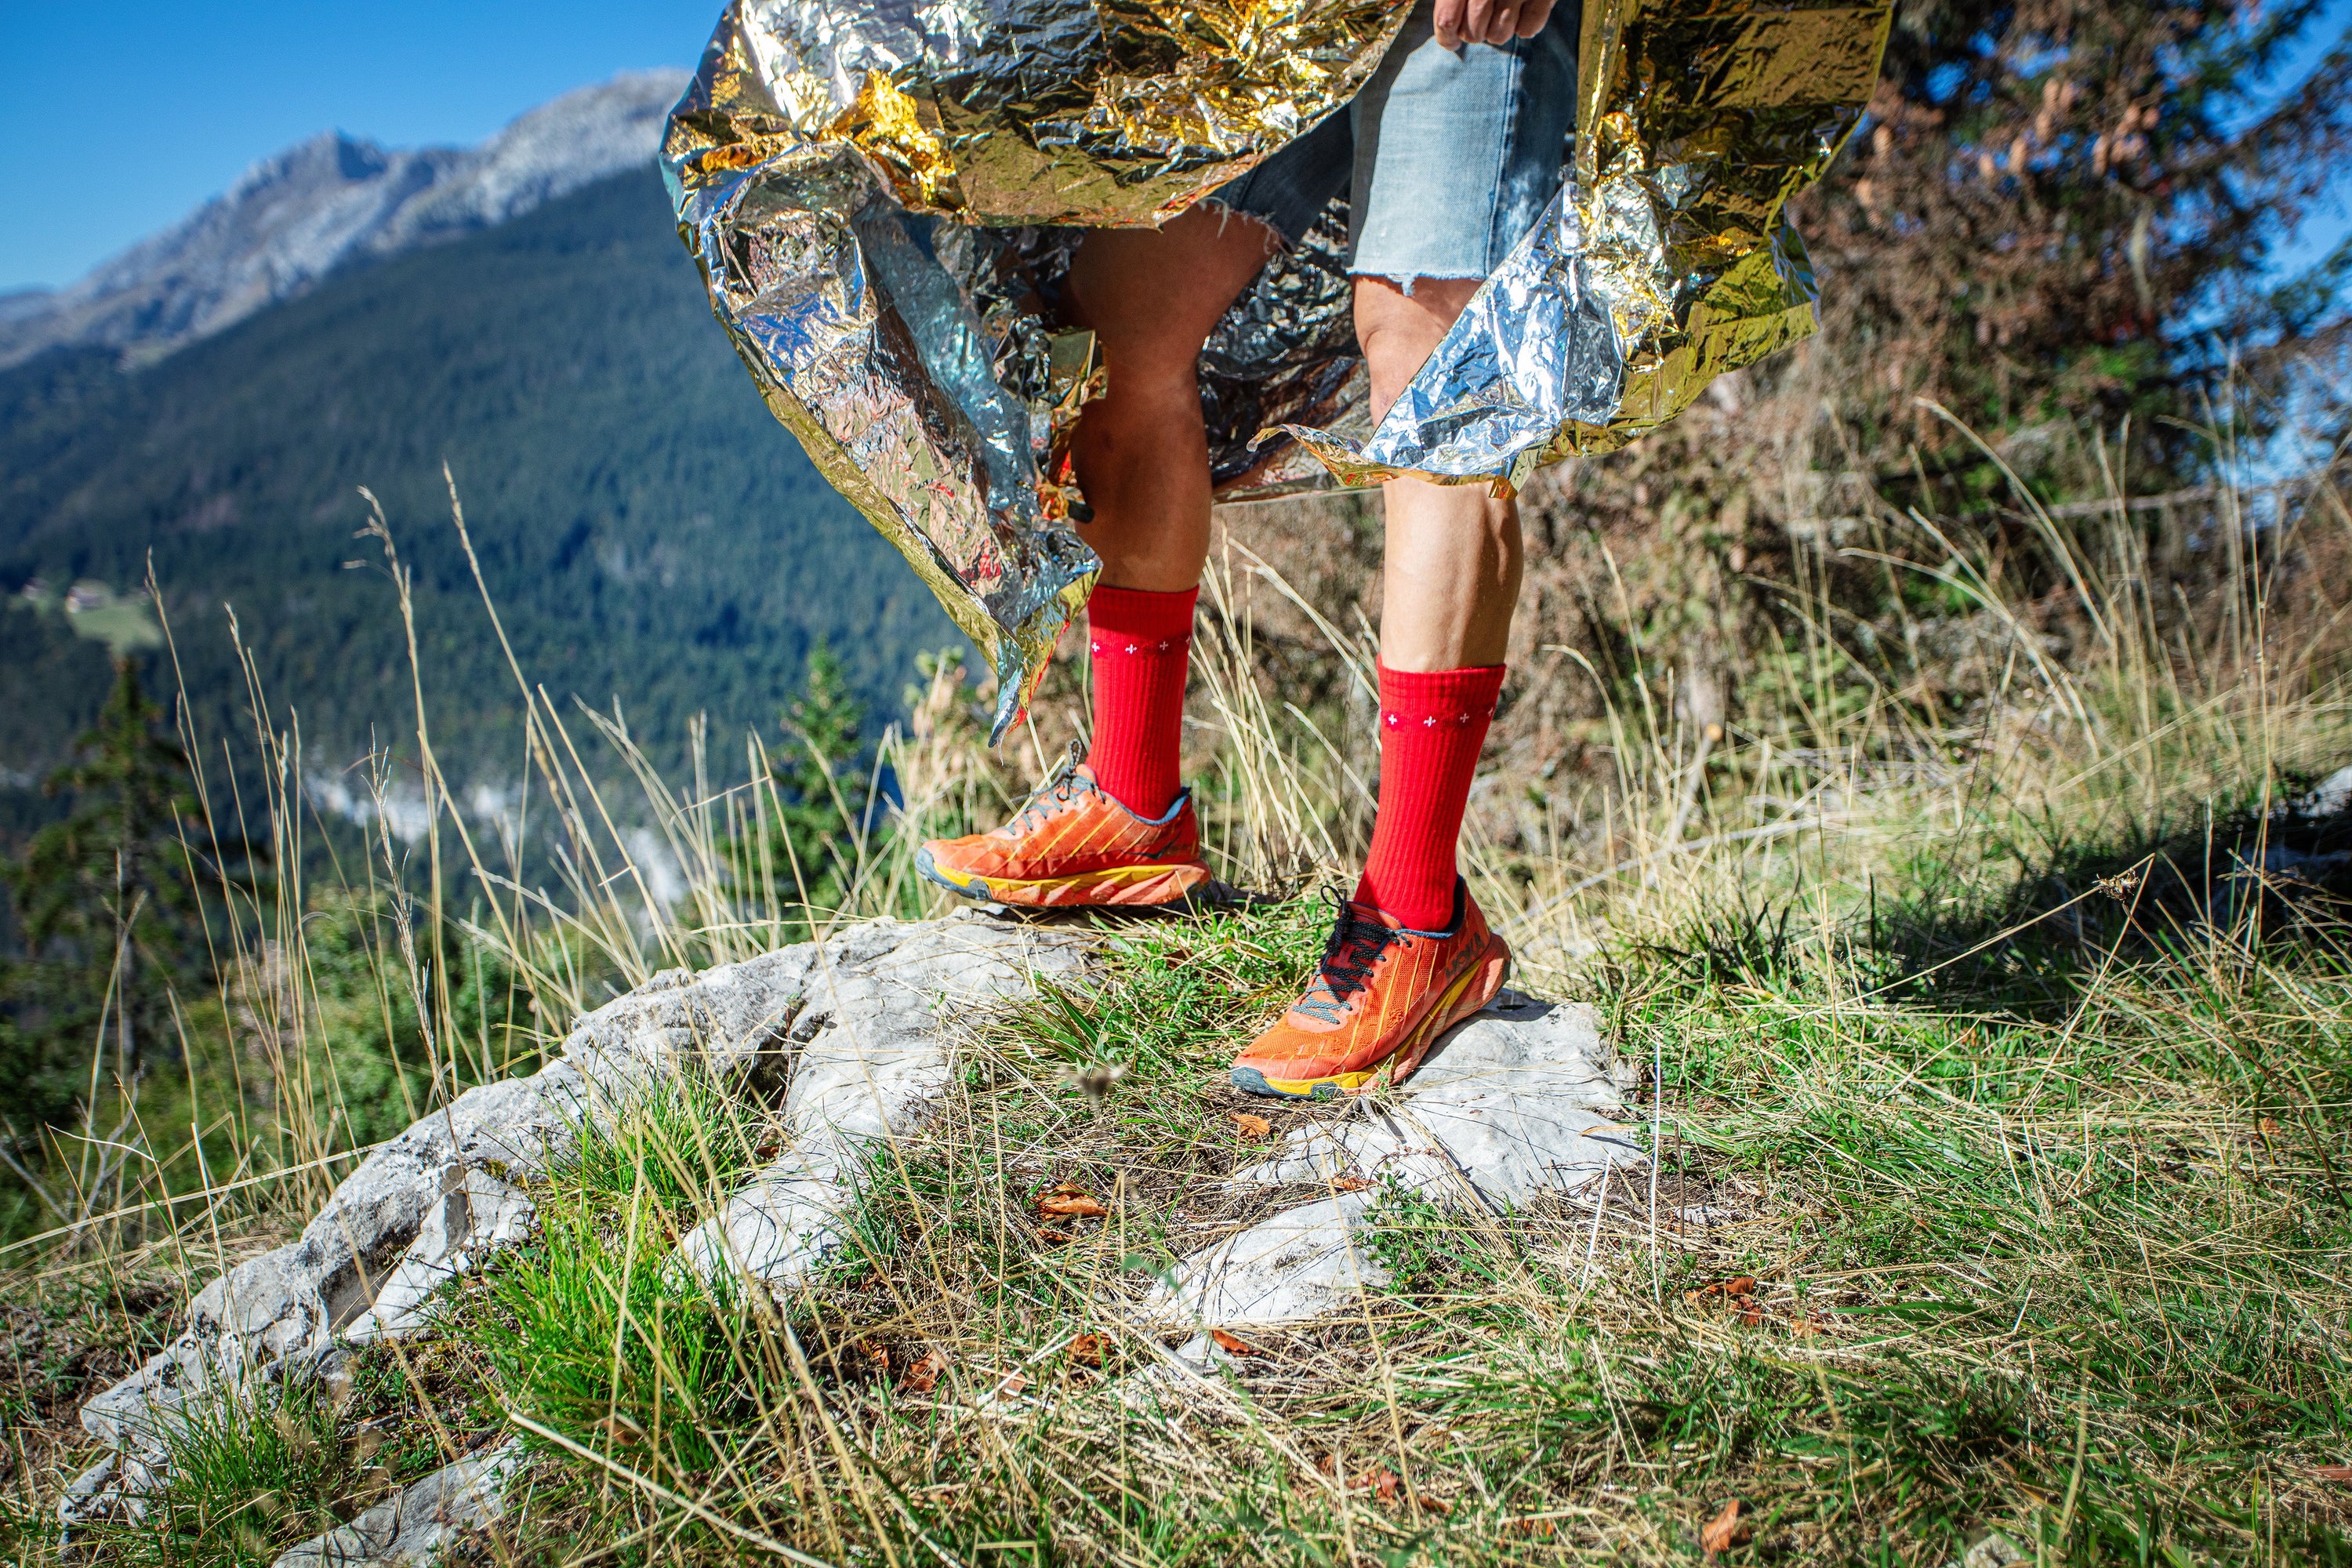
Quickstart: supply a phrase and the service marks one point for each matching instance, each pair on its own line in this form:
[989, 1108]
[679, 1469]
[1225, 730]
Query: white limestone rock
[291, 1302]
[1305, 1262]
[1515, 1102]
[417, 1522]
[2332, 797]
[479, 1217]
[89, 1494]
[1519, 1100]
[875, 1052]
[851, 1019]
[735, 1021]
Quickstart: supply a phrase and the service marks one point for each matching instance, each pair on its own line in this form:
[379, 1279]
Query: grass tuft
[251, 1475]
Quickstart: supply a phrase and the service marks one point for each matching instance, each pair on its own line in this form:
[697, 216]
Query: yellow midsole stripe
[1115, 876]
[1307, 1085]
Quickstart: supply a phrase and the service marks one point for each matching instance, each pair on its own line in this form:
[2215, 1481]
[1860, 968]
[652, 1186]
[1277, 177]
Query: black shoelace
[1349, 957]
[1062, 786]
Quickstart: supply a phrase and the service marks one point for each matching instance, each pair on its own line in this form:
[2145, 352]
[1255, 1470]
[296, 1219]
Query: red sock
[1431, 724]
[1140, 642]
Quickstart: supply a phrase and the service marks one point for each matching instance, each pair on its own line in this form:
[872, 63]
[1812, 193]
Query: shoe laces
[1350, 955]
[1062, 786]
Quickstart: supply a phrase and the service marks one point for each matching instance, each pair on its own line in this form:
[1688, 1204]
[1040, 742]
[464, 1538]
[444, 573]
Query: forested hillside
[650, 535]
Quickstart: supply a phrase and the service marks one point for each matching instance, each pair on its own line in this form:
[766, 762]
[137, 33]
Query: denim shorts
[1448, 158]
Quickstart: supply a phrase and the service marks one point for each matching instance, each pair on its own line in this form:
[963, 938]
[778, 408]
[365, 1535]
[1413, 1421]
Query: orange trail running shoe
[1073, 847]
[1381, 994]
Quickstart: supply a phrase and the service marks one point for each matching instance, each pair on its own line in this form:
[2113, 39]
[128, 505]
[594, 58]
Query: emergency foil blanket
[883, 198]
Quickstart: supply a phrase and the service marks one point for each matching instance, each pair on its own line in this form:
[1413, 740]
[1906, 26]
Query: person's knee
[1152, 297]
[1145, 357]
[1399, 331]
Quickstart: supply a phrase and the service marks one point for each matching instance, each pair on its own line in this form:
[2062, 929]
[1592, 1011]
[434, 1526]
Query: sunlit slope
[647, 530]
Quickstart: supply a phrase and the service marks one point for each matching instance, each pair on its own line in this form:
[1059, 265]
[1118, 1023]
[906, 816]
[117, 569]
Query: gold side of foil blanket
[883, 200]
[1667, 260]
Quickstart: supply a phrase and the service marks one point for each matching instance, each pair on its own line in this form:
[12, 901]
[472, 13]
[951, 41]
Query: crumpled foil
[1666, 259]
[884, 198]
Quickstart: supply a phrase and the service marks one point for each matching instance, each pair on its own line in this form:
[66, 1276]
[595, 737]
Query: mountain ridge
[299, 215]
[652, 537]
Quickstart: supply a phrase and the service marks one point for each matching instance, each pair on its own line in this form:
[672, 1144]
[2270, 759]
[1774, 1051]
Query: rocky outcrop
[295, 217]
[1515, 1103]
[415, 1524]
[289, 1303]
[856, 1035]
[854, 1025]
[872, 1056]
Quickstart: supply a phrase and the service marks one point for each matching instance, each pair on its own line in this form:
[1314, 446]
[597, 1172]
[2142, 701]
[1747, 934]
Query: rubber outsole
[1249, 1080]
[1403, 1059]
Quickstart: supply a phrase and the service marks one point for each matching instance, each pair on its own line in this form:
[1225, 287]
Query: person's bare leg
[1411, 953]
[1152, 297]
[1130, 836]
[1450, 574]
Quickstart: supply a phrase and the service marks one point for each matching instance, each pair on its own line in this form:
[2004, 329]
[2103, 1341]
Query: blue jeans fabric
[1448, 158]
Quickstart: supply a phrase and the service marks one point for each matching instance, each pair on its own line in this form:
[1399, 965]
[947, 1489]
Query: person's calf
[1152, 298]
[1449, 577]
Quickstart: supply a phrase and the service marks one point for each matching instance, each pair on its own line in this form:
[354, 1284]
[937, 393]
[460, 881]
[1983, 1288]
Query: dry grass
[1999, 1057]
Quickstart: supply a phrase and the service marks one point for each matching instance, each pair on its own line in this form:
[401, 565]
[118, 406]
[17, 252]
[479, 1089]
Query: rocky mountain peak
[324, 202]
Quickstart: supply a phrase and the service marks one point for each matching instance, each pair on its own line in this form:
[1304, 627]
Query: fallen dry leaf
[1805, 1329]
[2266, 1125]
[1436, 1505]
[1715, 1534]
[925, 1374]
[1253, 1126]
[1087, 1349]
[1056, 1237]
[1012, 1385]
[1749, 1312]
[1350, 1184]
[1233, 1345]
[1071, 1206]
[1735, 1290]
[1380, 1481]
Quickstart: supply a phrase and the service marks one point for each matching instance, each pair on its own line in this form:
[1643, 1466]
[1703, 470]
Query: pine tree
[2059, 219]
[819, 807]
[106, 904]
[2068, 211]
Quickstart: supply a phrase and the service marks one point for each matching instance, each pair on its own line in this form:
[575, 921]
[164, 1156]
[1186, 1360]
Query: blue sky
[119, 117]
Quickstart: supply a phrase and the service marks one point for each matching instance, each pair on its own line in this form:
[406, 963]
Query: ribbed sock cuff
[1138, 621]
[1139, 642]
[1433, 723]
[1430, 699]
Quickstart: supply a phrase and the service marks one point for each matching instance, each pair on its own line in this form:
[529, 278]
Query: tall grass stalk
[2002, 1142]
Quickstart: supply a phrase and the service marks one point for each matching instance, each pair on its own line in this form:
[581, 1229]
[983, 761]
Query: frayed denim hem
[1404, 282]
[1277, 242]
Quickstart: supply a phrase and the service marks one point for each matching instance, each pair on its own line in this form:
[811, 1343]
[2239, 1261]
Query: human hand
[1489, 21]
